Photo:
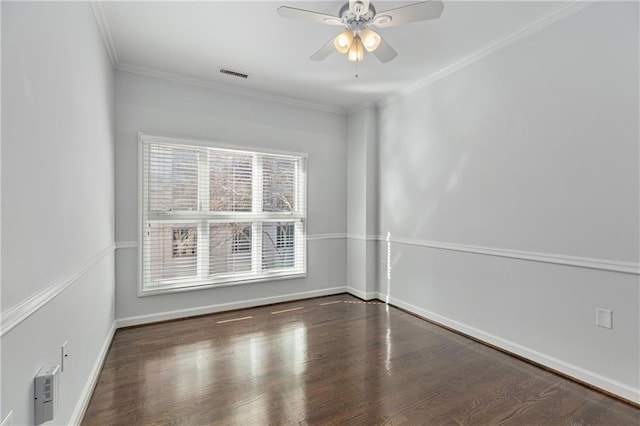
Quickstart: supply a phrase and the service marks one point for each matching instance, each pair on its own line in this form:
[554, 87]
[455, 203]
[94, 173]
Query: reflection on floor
[329, 360]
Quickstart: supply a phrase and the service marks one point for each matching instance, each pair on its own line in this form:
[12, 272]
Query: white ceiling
[190, 40]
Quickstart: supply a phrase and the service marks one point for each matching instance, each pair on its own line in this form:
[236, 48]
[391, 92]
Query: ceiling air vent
[233, 73]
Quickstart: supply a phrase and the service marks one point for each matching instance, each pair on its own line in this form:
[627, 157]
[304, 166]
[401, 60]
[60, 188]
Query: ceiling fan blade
[308, 15]
[414, 12]
[324, 51]
[384, 52]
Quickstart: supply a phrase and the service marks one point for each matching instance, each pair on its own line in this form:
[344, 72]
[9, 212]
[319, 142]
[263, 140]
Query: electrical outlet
[64, 355]
[604, 318]
[7, 420]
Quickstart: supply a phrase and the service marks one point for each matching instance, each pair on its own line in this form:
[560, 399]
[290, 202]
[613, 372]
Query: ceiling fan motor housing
[358, 20]
[357, 26]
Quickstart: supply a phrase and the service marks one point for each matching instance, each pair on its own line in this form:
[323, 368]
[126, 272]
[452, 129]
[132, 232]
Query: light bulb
[356, 51]
[343, 41]
[370, 39]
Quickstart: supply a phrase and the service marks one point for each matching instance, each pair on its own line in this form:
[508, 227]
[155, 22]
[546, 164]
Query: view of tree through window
[278, 185]
[230, 247]
[213, 216]
[230, 184]
[173, 180]
[278, 238]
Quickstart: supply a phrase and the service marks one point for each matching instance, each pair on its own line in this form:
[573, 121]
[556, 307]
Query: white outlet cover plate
[64, 355]
[604, 318]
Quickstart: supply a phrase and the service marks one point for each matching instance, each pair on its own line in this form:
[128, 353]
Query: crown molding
[362, 106]
[105, 31]
[251, 93]
[556, 15]
[531, 28]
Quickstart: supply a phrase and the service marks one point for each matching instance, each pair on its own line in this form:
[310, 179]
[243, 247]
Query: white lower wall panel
[82, 315]
[541, 311]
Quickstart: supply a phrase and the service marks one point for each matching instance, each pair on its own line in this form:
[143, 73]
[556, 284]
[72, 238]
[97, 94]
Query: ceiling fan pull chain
[356, 75]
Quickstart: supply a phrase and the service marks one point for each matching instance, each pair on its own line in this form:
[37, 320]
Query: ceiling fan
[356, 16]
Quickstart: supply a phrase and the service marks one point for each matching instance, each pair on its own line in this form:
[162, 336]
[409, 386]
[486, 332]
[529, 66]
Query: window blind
[216, 216]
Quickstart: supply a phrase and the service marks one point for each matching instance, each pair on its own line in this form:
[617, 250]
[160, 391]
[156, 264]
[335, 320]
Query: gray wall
[159, 106]
[362, 204]
[527, 156]
[57, 201]
[510, 189]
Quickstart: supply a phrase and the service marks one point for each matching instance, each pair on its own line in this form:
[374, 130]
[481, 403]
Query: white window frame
[237, 278]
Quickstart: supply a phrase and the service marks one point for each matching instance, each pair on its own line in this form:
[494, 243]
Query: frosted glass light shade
[343, 41]
[370, 39]
[356, 51]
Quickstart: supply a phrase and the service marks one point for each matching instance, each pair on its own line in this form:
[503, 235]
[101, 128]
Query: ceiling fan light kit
[356, 16]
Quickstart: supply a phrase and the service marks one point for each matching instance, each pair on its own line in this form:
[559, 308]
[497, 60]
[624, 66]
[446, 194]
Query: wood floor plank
[334, 360]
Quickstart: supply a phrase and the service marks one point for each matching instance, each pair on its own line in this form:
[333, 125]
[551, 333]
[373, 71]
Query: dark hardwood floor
[331, 360]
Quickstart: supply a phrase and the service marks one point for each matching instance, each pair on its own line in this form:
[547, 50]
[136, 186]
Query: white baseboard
[87, 392]
[202, 310]
[604, 383]
[361, 294]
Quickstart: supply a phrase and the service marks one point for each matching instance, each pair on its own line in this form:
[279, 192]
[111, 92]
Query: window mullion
[256, 207]
[203, 206]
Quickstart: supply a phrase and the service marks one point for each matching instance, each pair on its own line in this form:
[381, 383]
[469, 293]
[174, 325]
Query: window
[217, 216]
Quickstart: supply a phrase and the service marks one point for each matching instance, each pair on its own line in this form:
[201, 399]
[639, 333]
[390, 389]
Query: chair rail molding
[565, 260]
[22, 310]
